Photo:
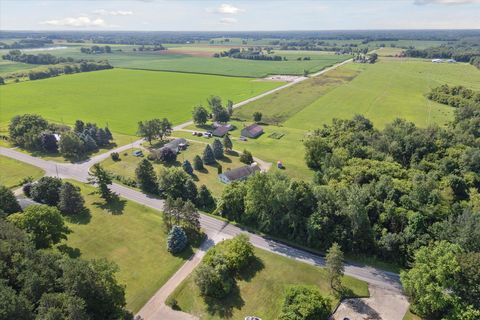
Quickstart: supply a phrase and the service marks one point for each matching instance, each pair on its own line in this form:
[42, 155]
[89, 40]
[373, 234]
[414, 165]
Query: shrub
[27, 189]
[115, 156]
[47, 190]
[8, 202]
[246, 157]
[177, 240]
[302, 302]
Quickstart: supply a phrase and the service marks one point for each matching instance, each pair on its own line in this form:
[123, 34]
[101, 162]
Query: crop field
[132, 236]
[121, 98]
[389, 89]
[13, 172]
[261, 289]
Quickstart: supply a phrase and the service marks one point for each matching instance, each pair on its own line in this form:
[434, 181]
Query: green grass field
[121, 98]
[132, 236]
[261, 289]
[392, 88]
[209, 177]
[7, 66]
[14, 171]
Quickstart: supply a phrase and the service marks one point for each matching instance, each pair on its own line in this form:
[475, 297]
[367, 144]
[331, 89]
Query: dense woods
[26, 43]
[18, 56]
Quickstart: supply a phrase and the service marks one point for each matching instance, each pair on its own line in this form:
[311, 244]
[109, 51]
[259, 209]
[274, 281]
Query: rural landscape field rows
[234, 174]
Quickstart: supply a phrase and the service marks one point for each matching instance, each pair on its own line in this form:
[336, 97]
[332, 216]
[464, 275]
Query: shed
[239, 174]
[252, 131]
[220, 131]
[177, 145]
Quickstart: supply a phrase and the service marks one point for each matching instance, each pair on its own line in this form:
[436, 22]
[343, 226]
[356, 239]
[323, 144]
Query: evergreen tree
[102, 179]
[79, 126]
[217, 149]
[177, 240]
[227, 143]
[205, 200]
[208, 157]
[335, 268]
[108, 134]
[187, 167]
[89, 142]
[197, 163]
[101, 137]
[189, 190]
[71, 200]
[146, 177]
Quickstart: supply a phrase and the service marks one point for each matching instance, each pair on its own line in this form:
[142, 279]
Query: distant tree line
[18, 56]
[463, 52]
[456, 96]
[53, 71]
[96, 49]
[34, 133]
[156, 47]
[26, 43]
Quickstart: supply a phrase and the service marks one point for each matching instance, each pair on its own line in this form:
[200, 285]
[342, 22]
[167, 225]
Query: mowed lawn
[121, 98]
[392, 88]
[261, 289]
[12, 172]
[132, 236]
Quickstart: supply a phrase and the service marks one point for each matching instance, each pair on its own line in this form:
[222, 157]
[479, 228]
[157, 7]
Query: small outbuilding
[252, 131]
[177, 145]
[220, 131]
[238, 174]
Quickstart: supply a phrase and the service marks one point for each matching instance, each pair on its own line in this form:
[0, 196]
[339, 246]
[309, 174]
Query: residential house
[177, 145]
[238, 174]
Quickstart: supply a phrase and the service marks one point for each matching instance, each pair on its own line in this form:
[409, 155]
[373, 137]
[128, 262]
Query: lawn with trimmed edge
[121, 98]
[261, 289]
[132, 236]
[13, 172]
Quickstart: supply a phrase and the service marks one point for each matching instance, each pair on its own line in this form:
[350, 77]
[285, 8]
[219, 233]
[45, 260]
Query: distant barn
[252, 131]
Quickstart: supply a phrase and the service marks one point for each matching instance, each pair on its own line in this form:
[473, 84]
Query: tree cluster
[154, 129]
[183, 214]
[249, 54]
[219, 112]
[43, 284]
[27, 43]
[215, 277]
[68, 68]
[455, 96]
[41, 58]
[96, 49]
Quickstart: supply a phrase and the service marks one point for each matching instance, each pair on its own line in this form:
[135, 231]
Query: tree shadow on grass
[83, 217]
[249, 272]
[115, 205]
[226, 160]
[232, 153]
[223, 308]
[69, 251]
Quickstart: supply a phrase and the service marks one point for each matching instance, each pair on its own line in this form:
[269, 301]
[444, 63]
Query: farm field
[7, 66]
[121, 98]
[392, 88]
[209, 177]
[13, 172]
[132, 236]
[261, 289]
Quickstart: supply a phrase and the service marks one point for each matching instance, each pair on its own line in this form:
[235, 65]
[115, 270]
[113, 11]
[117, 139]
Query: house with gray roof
[176, 145]
[238, 174]
[252, 131]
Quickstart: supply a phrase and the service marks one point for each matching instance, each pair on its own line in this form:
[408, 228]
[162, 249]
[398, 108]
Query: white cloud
[104, 12]
[228, 21]
[78, 22]
[445, 2]
[226, 9]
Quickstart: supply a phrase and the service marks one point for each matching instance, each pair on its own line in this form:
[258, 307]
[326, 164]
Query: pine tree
[102, 179]
[146, 177]
[208, 157]
[187, 167]
[217, 149]
[177, 240]
[197, 163]
[71, 200]
[102, 137]
[190, 190]
[108, 134]
[205, 200]
[227, 143]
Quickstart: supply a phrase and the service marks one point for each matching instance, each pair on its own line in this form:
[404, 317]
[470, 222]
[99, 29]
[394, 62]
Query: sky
[246, 15]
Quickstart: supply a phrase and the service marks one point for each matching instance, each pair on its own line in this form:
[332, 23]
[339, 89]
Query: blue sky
[238, 15]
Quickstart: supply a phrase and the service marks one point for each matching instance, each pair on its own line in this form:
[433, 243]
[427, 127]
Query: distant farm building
[238, 174]
[176, 145]
[252, 131]
[437, 60]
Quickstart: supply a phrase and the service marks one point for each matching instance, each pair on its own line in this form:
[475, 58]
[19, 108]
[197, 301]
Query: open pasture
[13, 172]
[261, 289]
[121, 98]
[392, 88]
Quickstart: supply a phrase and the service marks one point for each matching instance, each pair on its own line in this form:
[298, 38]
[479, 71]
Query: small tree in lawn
[257, 116]
[335, 268]
[197, 163]
[102, 179]
[246, 157]
[208, 156]
[227, 143]
[200, 115]
[71, 200]
[187, 167]
[205, 199]
[217, 149]
[146, 177]
[177, 240]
